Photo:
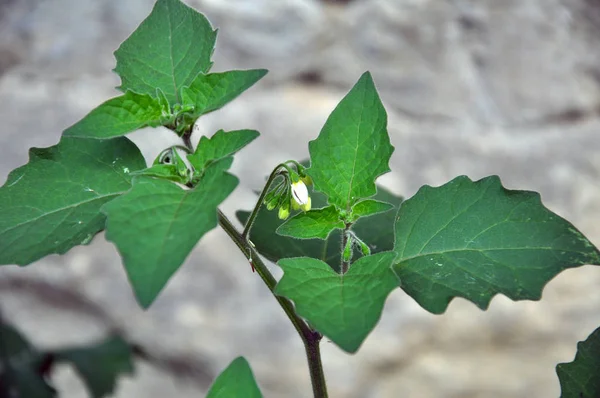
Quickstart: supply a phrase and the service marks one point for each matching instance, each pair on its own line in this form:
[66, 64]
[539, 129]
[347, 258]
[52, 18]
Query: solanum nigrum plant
[343, 243]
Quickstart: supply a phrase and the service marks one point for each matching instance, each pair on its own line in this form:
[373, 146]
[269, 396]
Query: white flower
[300, 193]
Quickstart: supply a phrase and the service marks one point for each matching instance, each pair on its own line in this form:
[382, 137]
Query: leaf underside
[477, 239]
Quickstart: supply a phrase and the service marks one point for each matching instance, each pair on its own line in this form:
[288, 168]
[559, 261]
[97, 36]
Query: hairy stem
[310, 338]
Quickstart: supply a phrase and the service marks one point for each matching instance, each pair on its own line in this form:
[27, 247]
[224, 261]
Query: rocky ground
[471, 87]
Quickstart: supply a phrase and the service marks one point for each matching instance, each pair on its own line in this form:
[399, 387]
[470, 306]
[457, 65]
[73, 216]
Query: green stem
[345, 263]
[259, 203]
[310, 338]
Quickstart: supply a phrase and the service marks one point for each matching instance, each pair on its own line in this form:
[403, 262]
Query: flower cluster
[291, 193]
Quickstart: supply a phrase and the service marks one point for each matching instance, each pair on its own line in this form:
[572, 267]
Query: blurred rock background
[473, 87]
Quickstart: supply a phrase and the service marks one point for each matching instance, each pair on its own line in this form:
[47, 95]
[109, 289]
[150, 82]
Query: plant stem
[310, 338]
[252, 218]
[345, 263]
[315, 366]
[187, 140]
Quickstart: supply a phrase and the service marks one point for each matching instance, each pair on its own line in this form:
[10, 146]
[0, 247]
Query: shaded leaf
[219, 146]
[369, 207]
[345, 308]
[169, 49]
[353, 148]
[101, 364]
[157, 223]
[23, 375]
[317, 223]
[581, 378]
[235, 381]
[53, 202]
[477, 239]
[376, 231]
[119, 116]
[212, 91]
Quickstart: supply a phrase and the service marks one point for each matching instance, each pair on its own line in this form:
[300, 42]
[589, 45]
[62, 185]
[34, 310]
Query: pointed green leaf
[164, 171]
[369, 207]
[235, 381]
[157, 223]
[317, 223]
[477, 239]
[101, 364]
[353, 148]
[345, 308]
[168, 50]
[210, 92]
[53, 202]
[377, 231]
[23, 376]
[119, 116]
[581, 378]
[219, 146]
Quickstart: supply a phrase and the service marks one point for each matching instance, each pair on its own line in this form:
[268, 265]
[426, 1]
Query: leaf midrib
[61, 209]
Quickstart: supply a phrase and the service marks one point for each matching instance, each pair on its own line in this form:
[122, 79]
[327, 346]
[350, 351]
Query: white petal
[299, 192]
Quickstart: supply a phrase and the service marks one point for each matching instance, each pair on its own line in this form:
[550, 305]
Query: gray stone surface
[471, 87]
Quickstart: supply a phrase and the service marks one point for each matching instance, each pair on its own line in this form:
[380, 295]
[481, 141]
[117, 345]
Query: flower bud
[284, 212]
[299, 192]
[306, 206]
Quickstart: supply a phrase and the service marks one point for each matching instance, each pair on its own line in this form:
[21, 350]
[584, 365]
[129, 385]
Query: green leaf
[353, 148]
[477, 239]
[169, 49]
[53, 202]
[164, 171]
[235, 381]
[157, 223]
[377, 231]
[23, 374]
[99, 365]
[119, 116]
[581, 378]
[369, 207]
[212, 91]
[345, 308]
[316, 223]
[222, 144]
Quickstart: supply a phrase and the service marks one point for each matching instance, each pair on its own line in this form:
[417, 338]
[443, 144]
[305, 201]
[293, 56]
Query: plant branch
[259, 203]
[310, 338]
